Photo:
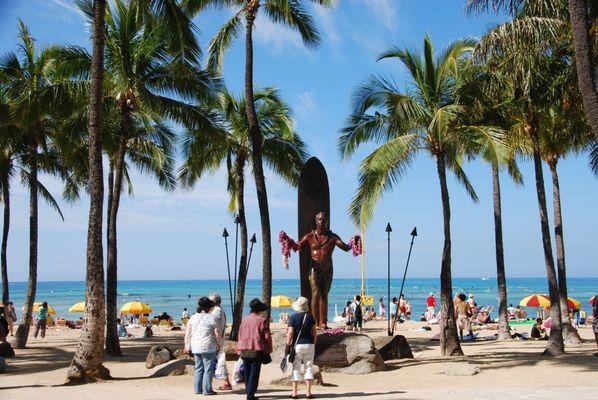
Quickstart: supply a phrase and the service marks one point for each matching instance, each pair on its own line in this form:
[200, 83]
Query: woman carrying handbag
[301, 345]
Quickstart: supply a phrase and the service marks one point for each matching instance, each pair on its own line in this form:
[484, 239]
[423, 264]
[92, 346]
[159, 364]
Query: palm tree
[563, 130]
[87, 363]
[578, 15]
[145, 82]
[580, 26]
[487, 95]
[27, 78]
[283, 150]
[290, 13]
[425, 117]
[531, 71]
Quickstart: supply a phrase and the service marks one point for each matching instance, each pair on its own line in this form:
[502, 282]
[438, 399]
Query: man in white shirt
[221, 372]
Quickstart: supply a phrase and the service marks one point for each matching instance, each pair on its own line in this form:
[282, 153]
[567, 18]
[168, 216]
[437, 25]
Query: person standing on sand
[381, 308]
[3, 325]
[431, 302]
[394, 306]
[463, 316]
[201, 340]
[11, 316]
[302, 335]
[595, 320]
[41, 320]
[254, 345]
[357, 314]
[220, 370]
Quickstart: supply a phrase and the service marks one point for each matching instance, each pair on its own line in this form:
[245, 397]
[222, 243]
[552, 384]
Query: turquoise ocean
[173, 296]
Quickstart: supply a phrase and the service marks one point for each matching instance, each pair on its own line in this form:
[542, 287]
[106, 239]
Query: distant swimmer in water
[188, 296]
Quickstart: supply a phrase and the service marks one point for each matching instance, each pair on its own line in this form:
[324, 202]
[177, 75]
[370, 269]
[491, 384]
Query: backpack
[358, 312]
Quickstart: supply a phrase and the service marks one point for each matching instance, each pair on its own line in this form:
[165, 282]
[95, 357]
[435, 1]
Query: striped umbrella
[592, 300]
[535, 300]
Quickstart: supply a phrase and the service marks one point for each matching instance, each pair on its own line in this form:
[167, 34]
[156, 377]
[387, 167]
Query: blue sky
[177, 235]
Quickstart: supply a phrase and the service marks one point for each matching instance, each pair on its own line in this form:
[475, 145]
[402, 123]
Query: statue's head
[321, 219]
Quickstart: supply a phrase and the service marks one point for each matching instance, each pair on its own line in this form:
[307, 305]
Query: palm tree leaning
[27, 78]
[144, 81]
[426, 117]
[486, 93]
[283, 151]
[87, 363]
[289, 13]
[563, 130]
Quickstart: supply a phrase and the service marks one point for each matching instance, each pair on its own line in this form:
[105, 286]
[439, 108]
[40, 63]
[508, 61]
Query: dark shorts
[358, 322]
[320, 277]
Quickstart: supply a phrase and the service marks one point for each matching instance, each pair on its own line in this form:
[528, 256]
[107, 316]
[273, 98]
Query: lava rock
[158, 355]
[393, 347]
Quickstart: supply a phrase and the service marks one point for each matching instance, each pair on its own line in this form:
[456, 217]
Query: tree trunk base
[113, 347]
[552, 349]
[504, 336]
[21, 336]
[77, 374]
[570, 335]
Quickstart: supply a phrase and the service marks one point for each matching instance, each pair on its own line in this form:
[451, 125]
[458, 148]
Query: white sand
[511, 370]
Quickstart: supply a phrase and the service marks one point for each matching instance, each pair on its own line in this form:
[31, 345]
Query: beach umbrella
[135, 307]
[535, 300]
[280, 301]
[78, 307]
[592, 300]
[36, 307]
[573, 304]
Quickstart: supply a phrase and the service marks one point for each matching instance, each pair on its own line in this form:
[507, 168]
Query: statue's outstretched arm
[304, 241]
[340, 244]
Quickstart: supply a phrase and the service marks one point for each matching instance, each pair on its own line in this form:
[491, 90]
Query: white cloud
[324, 17]
[306, 104]
[384, 10]
[275, 36]
[68, 5]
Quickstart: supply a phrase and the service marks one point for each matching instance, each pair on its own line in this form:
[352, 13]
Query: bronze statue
[322, 242]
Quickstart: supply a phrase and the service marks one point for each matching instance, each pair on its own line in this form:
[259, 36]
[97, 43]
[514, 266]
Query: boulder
[2, 365]
[343, 351]
[393, 347]
[173, 368]
[460, 369]
[181, 354]
[158, 355]
[6, 350]
[230, 350]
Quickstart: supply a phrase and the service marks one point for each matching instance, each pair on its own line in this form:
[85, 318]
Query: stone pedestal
[393, 347]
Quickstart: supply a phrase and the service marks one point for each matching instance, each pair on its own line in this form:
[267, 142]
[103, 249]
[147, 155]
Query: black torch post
[413, 235]
[388, 230]
[252, 240]
[230, 287]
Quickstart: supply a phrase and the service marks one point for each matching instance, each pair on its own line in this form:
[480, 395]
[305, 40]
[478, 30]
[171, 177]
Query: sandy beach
[514, 370]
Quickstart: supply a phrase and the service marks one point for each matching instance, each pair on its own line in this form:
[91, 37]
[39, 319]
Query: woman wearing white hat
[301, 342]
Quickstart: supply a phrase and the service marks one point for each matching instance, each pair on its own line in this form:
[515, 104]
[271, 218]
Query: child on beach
[41, 320]
[381, 308]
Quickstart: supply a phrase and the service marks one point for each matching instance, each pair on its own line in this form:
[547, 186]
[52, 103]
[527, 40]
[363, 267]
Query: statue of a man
[322, 242]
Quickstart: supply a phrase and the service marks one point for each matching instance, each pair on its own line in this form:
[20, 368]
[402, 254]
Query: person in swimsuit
[322, 243]
[463, 316]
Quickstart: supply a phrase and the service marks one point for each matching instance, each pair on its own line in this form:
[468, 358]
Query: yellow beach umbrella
[135, 307]
[535, 300]
[573, 304]
[280, 301]
[79, 307]
[36, 307]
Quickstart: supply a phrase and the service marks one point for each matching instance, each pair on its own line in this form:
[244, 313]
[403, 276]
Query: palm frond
[221, 42]
[292, 14]
[378, 172]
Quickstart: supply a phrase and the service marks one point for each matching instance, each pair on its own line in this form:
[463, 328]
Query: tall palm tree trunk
[5, 228]
[256, 147]
[503, 317]
[578, 15]
[555, 343]
[449, 339]
[570, 334]
[238, 309]
[114, 190]
[87, 363]
[23, 329]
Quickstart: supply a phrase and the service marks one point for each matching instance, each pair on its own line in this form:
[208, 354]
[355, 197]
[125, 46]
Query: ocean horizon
[172, 296]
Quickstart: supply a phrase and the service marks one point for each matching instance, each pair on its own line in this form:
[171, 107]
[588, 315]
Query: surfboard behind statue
[313, 197]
